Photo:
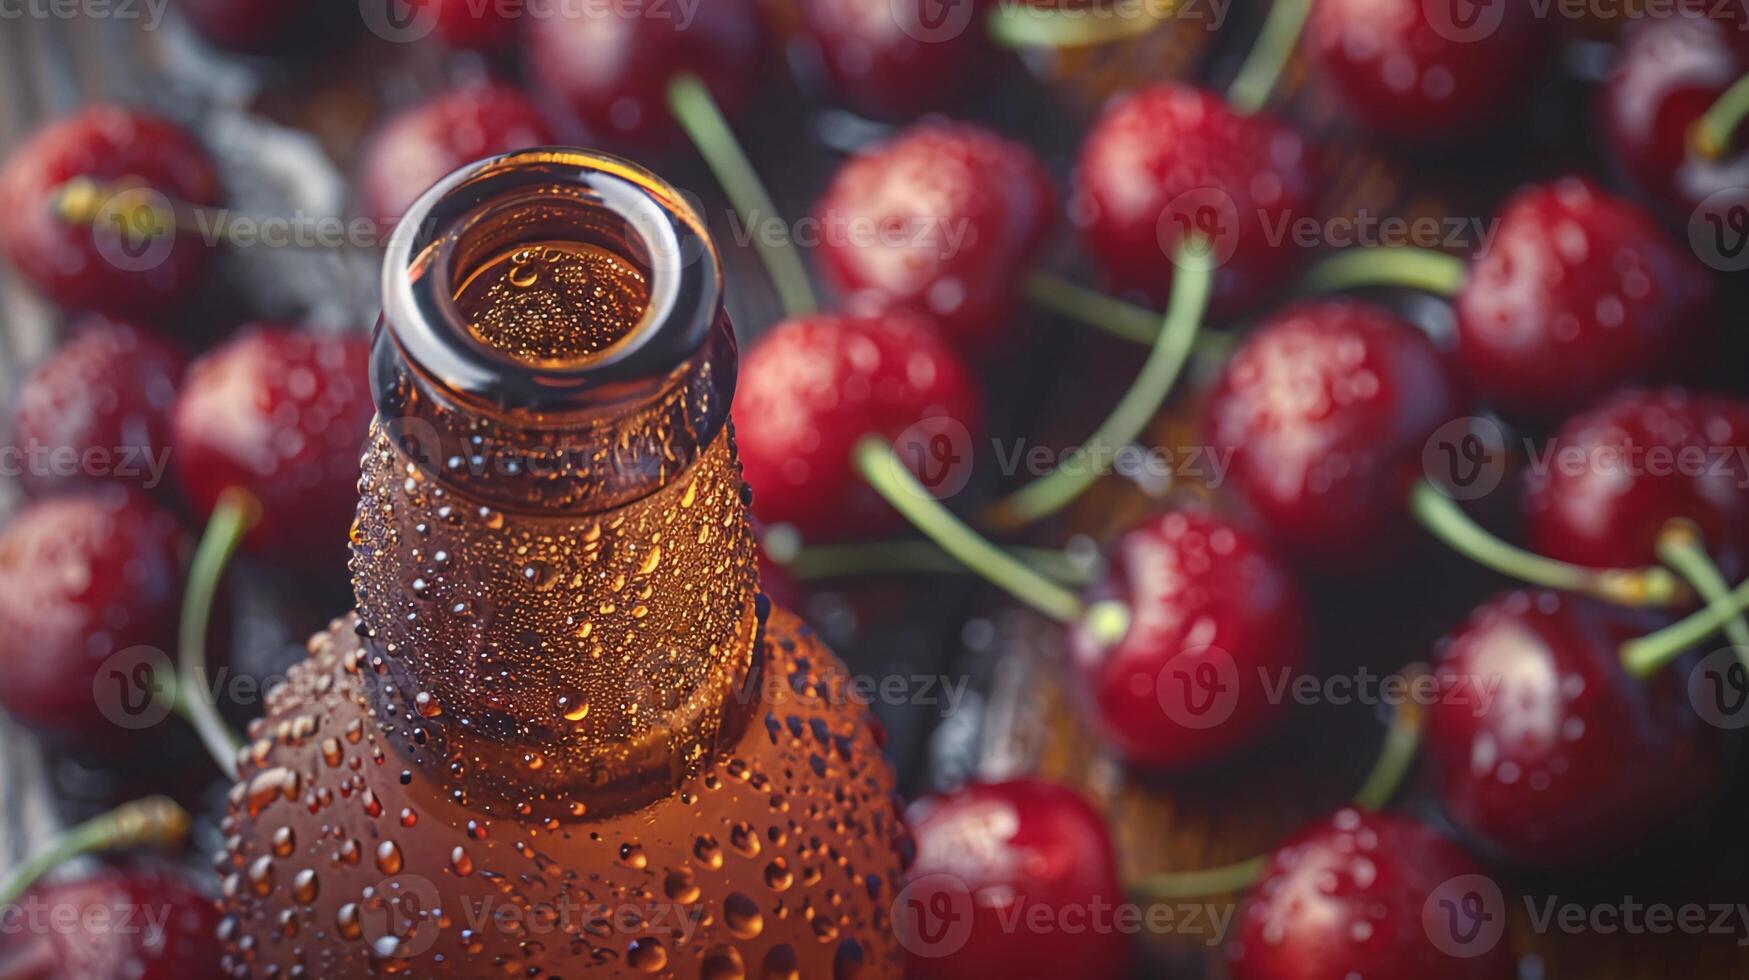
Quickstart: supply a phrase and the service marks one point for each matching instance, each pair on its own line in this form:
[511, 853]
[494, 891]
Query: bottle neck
[595, 657]
[552, 556]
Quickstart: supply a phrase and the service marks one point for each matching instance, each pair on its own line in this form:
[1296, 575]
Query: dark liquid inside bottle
[564, 734]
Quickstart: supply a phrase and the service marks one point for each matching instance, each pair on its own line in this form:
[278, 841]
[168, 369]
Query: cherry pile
[1560, 402]
[124, 440]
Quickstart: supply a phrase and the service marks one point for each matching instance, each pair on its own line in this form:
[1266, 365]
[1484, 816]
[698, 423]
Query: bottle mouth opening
[550, 278]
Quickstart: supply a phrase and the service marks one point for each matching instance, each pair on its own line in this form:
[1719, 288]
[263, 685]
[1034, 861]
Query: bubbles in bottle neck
[553, 302]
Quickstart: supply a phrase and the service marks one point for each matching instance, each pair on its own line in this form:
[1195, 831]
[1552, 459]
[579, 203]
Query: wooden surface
[1018, 718]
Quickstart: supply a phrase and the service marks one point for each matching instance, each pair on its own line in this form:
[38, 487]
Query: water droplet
[707, 850]
[742, 917]
[647, 954]
[680, 885]
[389, 858]
[305, 886]
[722, 962]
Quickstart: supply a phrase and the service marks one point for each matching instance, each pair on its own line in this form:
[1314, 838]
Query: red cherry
[1579, 292]
[1613, 476]
[1671, 70]
[941, 219]
[143, 924]
[98, 409]
[1404, 67]
[1358, 894]
[253, 26]
[84, 578]
[1326, 408]
[1558, 756]
[899, 58]
[477, 25]
[421, 145]
[1213, 615]
[1168, 159]
[988, 854]
[283, 414]
[814, 385]
[87, 264]
[612, 69]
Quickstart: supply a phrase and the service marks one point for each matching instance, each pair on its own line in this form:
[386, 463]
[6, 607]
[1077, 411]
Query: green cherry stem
[1396, 757]
[155, 821]
[886, 473]
[1021, 25]
[697, 113]
[1397, 753]
[236, 512]
[1445, 520]
[1222, 880]
[1409, 268]
[1263, 67]
[1681, 547]
[1711, 135]
[922, 557]
[1172, 344]
[1095, 309]
[1123, 320]
[1646, 655]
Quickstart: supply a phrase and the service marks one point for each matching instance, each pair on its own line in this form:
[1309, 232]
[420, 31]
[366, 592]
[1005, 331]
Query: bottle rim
[420, 276]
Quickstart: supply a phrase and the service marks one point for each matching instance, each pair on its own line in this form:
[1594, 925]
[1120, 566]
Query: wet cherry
[98, 409]
[990, 853]
[1558, 756]
[1670, 71]
[1326, 408]
[478, 25]
[898, 58]
[1362, 894]
[1614, 475]
[939, 219]
[1579, 292]
[141, 923]
[612, 69]
[425, 143]
[1212, 612]
[1168, 160]
[814, 385]
[283, 414]
[89, 262]
[83, 578]
[1410, 69]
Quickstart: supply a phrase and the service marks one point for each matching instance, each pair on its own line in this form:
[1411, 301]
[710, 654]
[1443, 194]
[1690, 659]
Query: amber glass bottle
[564, 734]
